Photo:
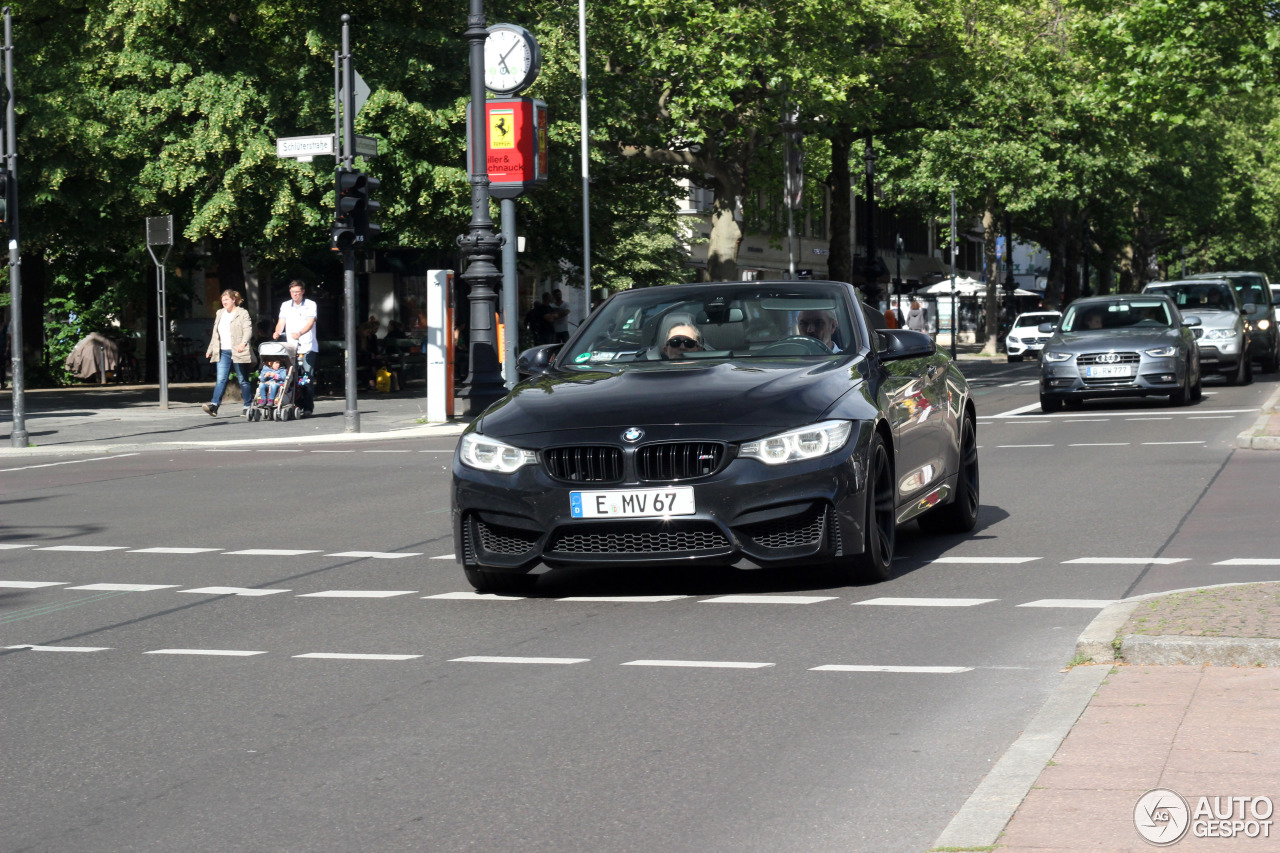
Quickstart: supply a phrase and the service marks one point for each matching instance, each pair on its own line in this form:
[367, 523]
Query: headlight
[806, 443]
[1220, 334]
[1056, 356]
[1162, 352]
[1264, 324]
[488, 454]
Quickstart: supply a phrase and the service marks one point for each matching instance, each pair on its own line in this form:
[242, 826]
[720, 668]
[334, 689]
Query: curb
[1257, 436]
[1097, 643]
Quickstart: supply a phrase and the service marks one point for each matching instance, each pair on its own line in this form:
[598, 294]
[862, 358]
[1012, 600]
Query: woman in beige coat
[229, 347]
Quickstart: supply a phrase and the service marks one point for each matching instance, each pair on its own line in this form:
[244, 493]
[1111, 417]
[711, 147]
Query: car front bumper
[801, 512]
[1154, 376]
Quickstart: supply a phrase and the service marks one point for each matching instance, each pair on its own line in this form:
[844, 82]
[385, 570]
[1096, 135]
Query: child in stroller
[278, 379]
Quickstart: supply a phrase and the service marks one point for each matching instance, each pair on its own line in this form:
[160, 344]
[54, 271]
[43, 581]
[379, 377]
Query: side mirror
[1247, 309]
[903, 343]
[1045, 328]
[1191, 321]
[536, 361]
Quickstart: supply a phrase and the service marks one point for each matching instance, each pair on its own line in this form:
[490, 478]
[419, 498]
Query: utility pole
[346, 146]
[160, 233]
[480, 245]
[18, 436]
[954, 331]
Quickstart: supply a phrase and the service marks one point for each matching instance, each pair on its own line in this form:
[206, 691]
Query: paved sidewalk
[117, 418]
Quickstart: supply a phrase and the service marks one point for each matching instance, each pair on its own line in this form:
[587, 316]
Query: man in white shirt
[561, 322]
[298, 323]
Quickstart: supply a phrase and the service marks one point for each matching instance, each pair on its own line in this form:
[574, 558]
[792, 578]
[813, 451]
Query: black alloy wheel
[881, 527]
[961, 515]
[1183, 395]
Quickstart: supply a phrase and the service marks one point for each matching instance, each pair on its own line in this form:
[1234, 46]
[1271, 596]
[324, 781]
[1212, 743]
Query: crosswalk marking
[981, 560]
[624, 599]
[62, 648]
[83, 548]
[358, 593]
[125, 587]
[475, 596]
[1125, 561]
[376, 555]
[767, 599]
[30, 584]
[233, 590]
[505, 659]
[1083, 603]
[172, 550]
[927, 602]
[701, 664]
[270, 552]
[347, 656]
[932, 670]
[212, 652]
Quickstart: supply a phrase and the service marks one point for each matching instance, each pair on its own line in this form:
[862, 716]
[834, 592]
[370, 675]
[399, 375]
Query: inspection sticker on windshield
[633, 503]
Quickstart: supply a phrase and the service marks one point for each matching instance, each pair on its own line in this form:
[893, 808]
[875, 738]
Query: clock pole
[481, 244]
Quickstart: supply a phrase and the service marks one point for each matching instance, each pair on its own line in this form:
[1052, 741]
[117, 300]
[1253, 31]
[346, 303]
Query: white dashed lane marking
[930, 670]
[346, 656]
[269, 552]
[981, 560]
[1082, 603]
[1126, 561]
[503, 659]
[84, 548]
[475, 596]
[231, 653]
[1250, 561]
[375, 555]
[701, 664]
[62, 648]
[233, 590]
[125, 587]
[30, 584]
[927, 602]
[625, 599]
[172, 550]
[768, 599]
[359, 593]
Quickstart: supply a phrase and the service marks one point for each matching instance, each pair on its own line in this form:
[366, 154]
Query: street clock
[511, 59]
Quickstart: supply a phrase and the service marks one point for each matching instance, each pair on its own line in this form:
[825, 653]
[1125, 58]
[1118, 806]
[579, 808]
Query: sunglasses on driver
[682, 342]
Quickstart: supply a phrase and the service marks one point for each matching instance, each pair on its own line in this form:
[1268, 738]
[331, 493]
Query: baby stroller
[277, 406]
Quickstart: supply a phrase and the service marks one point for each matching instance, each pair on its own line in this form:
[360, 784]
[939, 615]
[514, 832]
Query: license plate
[633, 503]
[1108, 371]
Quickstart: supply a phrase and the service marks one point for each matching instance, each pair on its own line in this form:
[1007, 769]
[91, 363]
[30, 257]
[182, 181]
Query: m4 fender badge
[633, 434]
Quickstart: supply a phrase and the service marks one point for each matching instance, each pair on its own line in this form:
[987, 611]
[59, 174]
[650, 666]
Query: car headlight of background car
[1225, 339]
[806, 443]
[1162, 352]
[488, 454]
[1054, 357]
[1264, 324]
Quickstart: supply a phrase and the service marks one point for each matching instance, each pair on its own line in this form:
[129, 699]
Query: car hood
[1214, 319]
[1111, 339]
[775, 393]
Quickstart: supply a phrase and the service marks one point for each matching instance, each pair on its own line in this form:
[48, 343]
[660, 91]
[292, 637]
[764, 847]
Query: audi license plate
[1108, 371]
[633, 503]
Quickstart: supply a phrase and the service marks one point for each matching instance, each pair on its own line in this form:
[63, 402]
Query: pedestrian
[538, 322]
[917, 317]
[560, 322]
[298, 323]
[229, 347]
[891, 318]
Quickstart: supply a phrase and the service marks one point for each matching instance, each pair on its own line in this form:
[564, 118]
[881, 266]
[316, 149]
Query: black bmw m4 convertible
[776, 422]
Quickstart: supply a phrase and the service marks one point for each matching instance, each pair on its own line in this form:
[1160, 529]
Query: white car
[1025, 338]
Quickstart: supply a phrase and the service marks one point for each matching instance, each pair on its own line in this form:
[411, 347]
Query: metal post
[480, 245]
[351, 412]
[510, 295]
[898, 249]
[586, 162]
[870, 288]
[954, 330]
[788, 188]
[18, 435]
[160, 233]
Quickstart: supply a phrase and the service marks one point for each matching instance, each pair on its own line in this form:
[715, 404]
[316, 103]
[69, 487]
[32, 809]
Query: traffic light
[352, 227]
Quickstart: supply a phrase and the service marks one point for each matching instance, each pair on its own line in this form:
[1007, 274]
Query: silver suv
[1224, 333]
[1254, 289]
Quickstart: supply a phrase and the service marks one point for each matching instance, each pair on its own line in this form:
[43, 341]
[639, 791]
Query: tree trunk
[1057, 265]
[726, 233]
[1071, 261]
[840, 259]
[992, 326]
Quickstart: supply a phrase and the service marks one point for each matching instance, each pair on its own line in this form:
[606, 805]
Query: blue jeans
[224, 370]
[307, 393]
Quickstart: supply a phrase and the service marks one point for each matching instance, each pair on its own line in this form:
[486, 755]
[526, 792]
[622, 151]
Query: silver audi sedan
[1132, 345]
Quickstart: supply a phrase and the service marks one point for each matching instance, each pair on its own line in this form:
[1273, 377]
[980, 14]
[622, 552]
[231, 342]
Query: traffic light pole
[346, 149]
[18, 436]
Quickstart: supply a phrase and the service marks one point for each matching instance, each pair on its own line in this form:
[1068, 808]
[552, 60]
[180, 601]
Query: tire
[1183, 395]
[1248, 371]
[961, 515]
[1239, 377]
[1049, 405]
[1014, 358]
[1272, 363]
[880, 529]
[1073, 404]
[500, 582]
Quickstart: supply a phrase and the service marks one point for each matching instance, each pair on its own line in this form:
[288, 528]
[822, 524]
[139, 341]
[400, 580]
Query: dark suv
[1254, 289]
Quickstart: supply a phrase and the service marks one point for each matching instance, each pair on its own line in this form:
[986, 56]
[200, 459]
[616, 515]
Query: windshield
[1201, 296]
[689, 322]
[1121, 314]
[1033, 320]
[1252, 293]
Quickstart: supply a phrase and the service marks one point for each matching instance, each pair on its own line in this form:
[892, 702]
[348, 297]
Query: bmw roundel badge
[633, 434]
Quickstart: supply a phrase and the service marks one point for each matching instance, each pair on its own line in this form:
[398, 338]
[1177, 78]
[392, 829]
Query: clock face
[510, 59]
